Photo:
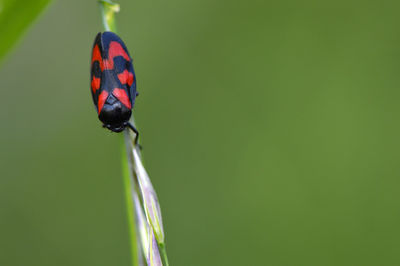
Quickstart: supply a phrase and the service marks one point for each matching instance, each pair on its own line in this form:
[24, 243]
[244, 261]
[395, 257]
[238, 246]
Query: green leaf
[15, 17]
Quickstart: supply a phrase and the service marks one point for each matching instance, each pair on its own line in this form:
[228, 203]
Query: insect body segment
[113, 82]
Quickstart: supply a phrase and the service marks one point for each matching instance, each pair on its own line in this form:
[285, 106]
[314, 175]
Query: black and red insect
[113, 82]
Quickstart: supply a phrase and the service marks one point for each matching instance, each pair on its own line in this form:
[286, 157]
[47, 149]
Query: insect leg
[136, 132]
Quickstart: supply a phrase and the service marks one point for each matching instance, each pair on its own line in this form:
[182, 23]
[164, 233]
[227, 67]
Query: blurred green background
[270, 131]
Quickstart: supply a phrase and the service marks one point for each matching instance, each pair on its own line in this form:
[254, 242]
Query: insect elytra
[112, 82]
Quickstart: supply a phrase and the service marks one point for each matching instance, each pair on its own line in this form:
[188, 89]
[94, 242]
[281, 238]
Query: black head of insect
[114, 115]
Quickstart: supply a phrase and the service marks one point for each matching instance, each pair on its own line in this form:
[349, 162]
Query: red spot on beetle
[122, 97]
[102, 99]
[115, 49]
[126, 77]
[107, 65]
[96, 56]
[95, 84]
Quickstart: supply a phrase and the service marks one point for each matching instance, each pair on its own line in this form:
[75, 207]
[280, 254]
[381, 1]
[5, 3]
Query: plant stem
[128, 187]
[108, 10]
[163, 253]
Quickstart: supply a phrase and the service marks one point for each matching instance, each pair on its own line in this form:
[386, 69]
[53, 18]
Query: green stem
[108, 10]
[163, 253]
[128, 187]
